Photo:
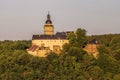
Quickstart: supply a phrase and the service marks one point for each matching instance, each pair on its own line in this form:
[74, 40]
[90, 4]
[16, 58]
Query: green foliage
[72, 64]
[117, 77]
[77, 52]
[114, 47]
[78, 38]
[66, 47]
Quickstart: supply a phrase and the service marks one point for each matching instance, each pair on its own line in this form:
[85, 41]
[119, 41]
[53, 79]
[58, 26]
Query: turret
[48, 27]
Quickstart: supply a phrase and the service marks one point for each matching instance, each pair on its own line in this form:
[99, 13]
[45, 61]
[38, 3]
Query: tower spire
[48, 21]
[48, 16]
[48, 12]
[48, 27]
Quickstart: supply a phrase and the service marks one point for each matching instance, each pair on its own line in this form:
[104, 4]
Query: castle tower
[48, 27]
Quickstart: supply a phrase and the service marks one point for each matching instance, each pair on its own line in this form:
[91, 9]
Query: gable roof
[33, 48]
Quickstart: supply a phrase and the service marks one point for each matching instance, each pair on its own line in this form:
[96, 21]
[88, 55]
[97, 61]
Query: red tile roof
[33, 48]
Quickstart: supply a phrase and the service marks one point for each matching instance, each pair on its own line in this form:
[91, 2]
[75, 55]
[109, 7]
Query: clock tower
[48, 27]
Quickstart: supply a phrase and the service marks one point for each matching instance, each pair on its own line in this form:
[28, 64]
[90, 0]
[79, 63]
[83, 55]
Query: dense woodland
[72, 64]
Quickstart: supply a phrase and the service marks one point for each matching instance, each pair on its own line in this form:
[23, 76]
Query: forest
[72, 64]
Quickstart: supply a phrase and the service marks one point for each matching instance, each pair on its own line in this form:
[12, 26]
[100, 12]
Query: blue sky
[20, 19]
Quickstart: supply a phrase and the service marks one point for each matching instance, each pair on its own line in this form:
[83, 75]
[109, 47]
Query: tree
[78, 38]
[116, 77]
[81, 37]
[77, 52]
[96, 73]
[107, 76]
[114, 47]
[66, 47]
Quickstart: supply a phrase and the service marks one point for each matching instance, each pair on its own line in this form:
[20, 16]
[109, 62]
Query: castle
[48, 42]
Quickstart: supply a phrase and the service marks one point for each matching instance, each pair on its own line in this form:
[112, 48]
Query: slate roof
[93, 41]
[60, 35]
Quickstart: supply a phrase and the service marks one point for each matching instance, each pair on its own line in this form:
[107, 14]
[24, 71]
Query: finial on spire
[48, 21]
[48, 12]
[48, 16]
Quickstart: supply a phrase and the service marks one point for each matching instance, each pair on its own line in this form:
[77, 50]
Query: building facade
[91, 47]
[47, 42]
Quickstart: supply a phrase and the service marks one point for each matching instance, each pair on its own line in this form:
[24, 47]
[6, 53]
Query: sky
[20, 19]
